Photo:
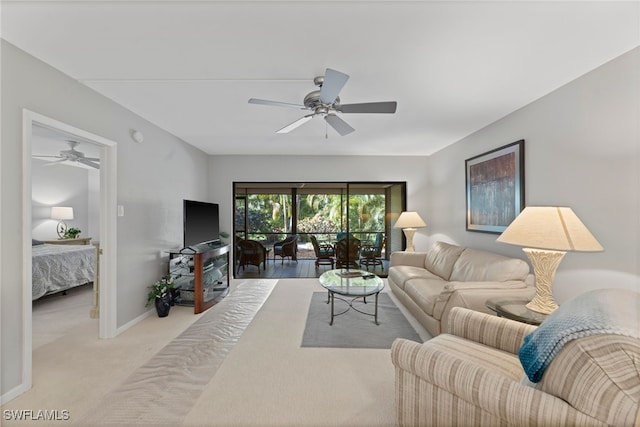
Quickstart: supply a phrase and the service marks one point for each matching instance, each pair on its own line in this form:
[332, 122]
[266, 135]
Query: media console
[200, 274]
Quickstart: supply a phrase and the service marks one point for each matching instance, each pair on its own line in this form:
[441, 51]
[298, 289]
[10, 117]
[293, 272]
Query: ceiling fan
[72, 155]
[325, 102]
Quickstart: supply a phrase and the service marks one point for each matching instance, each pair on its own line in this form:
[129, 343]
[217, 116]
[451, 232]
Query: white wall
[60, 185]
[582, 150]
[224, 170]
[153, 178]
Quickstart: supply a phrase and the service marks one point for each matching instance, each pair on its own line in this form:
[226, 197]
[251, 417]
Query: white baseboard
[134, 321]
[12, 394]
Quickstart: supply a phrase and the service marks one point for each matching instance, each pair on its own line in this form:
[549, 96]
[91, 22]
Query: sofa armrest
[473, 295]
[430, 382]
[497, 332]
[415, 259]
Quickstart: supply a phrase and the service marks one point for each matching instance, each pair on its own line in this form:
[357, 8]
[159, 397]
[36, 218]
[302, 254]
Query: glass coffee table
[351, 283]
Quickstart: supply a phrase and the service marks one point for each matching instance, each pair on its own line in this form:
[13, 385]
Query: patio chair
[251, 252]
[343, 235]
[324, 252]
[287, 248]
[372, 254]
[348, 252]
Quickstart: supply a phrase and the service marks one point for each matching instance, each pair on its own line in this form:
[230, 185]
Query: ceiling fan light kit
[326, 102]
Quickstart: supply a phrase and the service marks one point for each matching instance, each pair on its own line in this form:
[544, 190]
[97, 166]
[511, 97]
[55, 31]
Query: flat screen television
[201, 223]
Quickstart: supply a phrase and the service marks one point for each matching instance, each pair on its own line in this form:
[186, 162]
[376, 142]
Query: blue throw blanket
[603, 311]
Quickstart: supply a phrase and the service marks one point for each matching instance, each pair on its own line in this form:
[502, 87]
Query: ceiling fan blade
[88, 162]
[333, 83]
[369, 107]
[56, 162]
[292, 126]
[339, 125]
[276, 103]
[37, 156]
[93, 159]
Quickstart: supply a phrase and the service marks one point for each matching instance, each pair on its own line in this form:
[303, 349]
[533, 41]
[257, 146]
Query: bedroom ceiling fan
[325, 102]
[72, 155]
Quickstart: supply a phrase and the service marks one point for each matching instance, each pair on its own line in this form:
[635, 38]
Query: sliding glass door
[267, 212]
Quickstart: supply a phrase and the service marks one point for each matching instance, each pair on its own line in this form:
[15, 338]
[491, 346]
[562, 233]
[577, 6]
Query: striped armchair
[472, 376]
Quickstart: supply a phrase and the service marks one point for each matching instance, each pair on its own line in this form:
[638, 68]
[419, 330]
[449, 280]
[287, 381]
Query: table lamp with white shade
[409, 221]
[61, 213]
[547, 234]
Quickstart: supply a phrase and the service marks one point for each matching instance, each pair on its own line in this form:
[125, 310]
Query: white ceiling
[452, 66]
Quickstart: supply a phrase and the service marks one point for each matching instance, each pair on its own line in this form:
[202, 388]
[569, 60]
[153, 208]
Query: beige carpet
[56, 315]
[266, 379]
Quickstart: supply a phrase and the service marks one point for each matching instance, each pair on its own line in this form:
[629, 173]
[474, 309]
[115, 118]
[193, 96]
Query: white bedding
[56, 268]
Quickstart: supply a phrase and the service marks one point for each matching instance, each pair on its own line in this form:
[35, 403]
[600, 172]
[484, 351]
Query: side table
[515, 309]
[76, 241]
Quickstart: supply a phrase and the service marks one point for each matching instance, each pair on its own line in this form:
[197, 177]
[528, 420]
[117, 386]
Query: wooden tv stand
[201, 275]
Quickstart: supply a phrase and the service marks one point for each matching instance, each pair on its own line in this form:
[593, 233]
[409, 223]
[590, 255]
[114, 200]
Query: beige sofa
[431, 283]
[473, 375]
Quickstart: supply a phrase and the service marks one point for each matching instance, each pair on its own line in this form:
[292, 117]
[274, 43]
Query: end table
[515, 309]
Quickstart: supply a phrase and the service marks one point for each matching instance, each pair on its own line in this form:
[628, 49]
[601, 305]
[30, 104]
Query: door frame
[108, 231]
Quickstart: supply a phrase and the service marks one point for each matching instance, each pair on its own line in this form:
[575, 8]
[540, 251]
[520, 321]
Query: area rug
[353, 329]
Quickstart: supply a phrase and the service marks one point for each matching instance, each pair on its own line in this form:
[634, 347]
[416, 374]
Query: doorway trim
[108, 232]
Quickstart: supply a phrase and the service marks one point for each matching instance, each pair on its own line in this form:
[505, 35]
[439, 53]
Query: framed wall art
[495, 188]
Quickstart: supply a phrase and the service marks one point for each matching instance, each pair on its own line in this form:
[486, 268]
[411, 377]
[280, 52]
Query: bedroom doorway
[52, 141]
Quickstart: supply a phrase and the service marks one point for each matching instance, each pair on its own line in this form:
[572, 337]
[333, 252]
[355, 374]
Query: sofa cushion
[399, 274]
[441, 258]
[424, 292]
[474, 265]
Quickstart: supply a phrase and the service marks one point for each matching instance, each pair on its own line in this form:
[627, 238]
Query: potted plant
[72, 233]
[160, 295]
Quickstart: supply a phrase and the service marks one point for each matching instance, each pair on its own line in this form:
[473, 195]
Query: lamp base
[61, 229]
[545, 263]
[409, 233]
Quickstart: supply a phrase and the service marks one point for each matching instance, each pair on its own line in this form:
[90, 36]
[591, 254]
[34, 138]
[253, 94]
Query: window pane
[319, 214]
[268, 213]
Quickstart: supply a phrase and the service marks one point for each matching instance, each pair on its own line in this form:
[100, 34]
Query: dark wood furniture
[201, 275]
[324, 252]
[287, 248]
[372, 254]
[251, 252]
[348, 252]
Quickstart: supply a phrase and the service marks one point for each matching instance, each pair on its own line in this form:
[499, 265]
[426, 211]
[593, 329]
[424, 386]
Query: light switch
[120, 210]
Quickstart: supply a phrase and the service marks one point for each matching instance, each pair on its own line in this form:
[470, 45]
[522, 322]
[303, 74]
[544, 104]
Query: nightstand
[515, 309]
[78, 241]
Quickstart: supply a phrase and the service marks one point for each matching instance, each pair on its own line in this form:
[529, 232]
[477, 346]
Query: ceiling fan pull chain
[326, 130]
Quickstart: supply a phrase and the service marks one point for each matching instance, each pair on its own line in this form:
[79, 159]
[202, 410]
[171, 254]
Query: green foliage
[317, 224]
[159, 289]
[269, 214]
[72, 233]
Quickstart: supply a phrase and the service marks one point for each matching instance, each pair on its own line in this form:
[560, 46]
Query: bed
[56, 268]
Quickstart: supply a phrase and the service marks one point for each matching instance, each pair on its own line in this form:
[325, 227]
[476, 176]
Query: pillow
[35, 242]
[441, 257]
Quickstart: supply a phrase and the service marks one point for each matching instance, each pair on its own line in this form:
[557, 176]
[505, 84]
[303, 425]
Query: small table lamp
[61, 213]
[547, 233]
[409, 221]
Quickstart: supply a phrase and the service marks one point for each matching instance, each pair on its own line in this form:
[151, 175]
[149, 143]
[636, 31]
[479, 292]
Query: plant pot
[162, 306]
